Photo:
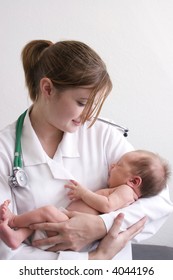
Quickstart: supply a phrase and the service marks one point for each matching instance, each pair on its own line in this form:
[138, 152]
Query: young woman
[61, 140]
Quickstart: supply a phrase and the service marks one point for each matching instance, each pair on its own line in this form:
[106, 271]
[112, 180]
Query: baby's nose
[111, 167]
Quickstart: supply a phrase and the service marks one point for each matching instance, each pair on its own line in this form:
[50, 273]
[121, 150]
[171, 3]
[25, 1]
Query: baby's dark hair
[153, 170]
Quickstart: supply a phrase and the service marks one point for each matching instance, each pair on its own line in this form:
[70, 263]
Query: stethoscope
[124, 130]
[19, 177]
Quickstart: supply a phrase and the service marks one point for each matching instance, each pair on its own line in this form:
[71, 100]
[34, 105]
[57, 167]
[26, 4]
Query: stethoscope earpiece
[122, 128]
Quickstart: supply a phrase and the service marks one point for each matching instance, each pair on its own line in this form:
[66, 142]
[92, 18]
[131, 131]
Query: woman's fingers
[58, 247]
[63, 239]
[115, 229]
[115, 240]
[46, 226]
[45, 241]
[136, 228]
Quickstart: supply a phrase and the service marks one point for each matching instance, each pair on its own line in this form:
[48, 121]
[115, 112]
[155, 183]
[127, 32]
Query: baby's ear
[135, 182]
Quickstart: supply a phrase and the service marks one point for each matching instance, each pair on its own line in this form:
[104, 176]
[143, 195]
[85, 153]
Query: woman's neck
[49, 136]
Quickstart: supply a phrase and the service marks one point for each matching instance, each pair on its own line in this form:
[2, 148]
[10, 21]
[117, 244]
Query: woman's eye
[82, 104]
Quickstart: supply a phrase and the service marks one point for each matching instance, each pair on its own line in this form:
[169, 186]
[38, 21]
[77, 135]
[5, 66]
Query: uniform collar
[33, 152]
[69, 145]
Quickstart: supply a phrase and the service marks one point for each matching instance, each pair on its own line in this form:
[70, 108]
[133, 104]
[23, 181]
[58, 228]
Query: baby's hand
[75, 190]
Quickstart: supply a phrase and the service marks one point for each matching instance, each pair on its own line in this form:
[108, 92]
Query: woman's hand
[80, 230]
[115, 240]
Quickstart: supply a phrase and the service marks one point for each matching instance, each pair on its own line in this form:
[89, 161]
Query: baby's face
[120, 172]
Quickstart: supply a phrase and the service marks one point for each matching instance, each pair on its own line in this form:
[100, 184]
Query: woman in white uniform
[68, 83]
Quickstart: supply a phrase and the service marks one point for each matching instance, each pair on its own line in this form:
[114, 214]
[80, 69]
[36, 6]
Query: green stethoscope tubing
[19, 177]
[18, 149]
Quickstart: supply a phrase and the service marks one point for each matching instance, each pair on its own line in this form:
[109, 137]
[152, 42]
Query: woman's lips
[77, 123]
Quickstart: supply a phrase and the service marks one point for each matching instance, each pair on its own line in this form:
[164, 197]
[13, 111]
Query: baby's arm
[120, 197]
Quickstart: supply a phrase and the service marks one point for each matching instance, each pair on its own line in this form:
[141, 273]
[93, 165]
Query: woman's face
[64, 109]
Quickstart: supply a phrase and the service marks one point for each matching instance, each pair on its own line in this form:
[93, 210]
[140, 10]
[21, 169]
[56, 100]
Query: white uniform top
[84, 156]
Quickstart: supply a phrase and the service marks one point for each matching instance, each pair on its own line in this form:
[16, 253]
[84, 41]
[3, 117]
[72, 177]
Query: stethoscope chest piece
[18, 179]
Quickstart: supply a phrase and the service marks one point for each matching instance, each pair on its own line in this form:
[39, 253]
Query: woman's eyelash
[81, 103]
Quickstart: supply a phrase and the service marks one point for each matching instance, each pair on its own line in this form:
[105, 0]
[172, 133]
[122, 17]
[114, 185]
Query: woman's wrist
[96, 255]
[100, 227]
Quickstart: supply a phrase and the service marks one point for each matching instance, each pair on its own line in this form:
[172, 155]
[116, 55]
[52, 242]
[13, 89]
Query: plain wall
[135, 39]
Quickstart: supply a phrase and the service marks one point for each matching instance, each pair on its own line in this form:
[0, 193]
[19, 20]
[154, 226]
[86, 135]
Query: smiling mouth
[77, 123]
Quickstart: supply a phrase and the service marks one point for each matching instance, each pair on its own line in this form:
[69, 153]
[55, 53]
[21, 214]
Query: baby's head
[153, 170]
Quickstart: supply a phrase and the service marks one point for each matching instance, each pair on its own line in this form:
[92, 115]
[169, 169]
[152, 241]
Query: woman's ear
[46, 86]
[135, 181]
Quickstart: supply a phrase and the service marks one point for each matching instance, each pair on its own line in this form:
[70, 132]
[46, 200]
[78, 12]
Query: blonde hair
[153, 170]
[67, 64]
